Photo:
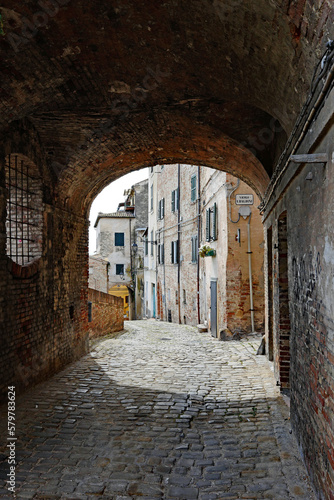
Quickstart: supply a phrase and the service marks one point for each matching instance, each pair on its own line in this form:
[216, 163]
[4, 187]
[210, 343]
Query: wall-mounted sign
[244, 199]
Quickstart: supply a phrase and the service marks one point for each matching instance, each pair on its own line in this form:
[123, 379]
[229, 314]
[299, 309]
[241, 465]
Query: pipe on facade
[301, 136]
[198, 242]
[250, 273]
[179, 240]
[229, 203]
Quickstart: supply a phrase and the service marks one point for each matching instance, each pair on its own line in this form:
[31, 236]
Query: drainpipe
[131, 273]
[198, 240]
[250, 273]
[179, 239]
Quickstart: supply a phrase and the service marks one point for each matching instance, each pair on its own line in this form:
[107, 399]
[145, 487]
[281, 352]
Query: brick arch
[193, 144]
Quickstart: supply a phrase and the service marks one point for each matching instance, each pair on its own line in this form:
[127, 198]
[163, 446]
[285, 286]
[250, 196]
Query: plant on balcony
[206, 251]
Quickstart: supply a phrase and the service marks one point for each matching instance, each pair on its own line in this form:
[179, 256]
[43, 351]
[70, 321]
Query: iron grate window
[24, 210]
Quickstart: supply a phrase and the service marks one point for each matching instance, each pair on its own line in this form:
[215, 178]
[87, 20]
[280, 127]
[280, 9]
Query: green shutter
[193, 188]
[207, 225]
[214, 222]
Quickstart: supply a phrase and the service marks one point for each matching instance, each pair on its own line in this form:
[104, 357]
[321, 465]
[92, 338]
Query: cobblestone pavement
[160, 412]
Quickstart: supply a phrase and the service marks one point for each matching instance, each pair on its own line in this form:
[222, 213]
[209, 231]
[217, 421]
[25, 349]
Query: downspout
[131, 274]
[198, 240]
[179, 240]
[250, 273]
[229, 203]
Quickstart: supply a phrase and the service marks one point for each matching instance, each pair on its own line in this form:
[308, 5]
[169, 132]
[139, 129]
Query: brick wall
[43, 305]
[299, 219]
[237, 265]
[107, 313]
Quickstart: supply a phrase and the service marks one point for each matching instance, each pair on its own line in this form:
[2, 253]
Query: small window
[161, 254]
[174, 252]
[175, 200]
[24, 222]
[146, 246]
[119, 239]
[120, 269]
[211, 223]
[161, 209]
[193, 188]
[194, 249]
[184, 296]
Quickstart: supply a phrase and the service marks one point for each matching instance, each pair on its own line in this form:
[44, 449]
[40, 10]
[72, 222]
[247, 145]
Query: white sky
[107, 201]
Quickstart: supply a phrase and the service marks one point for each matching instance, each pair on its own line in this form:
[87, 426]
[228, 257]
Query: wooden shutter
[214, 222]
[207, 225]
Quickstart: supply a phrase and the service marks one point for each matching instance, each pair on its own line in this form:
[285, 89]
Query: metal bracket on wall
[310, 158]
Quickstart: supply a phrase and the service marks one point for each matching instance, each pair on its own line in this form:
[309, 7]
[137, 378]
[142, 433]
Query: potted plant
[206, 251]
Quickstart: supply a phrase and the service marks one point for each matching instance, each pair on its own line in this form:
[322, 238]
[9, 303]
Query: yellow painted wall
[122, 291]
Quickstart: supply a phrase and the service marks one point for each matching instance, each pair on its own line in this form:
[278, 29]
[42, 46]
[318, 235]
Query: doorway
[213, 300]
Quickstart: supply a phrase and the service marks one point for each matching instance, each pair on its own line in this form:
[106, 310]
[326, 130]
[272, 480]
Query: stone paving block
[139, 420]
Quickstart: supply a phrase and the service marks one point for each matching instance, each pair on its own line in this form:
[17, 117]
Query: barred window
[24, 221]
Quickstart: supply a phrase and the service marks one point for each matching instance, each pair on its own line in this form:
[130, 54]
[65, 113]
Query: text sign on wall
[244, 199]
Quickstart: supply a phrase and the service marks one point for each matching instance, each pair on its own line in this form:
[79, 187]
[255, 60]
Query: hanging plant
[206, 251]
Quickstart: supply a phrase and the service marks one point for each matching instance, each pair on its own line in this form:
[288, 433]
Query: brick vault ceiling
[110, 86]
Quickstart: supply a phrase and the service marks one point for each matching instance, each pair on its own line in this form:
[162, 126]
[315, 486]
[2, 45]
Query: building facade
[120, 248]
[198, 268]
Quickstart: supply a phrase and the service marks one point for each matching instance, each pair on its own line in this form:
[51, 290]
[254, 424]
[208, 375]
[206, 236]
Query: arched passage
[89, 92]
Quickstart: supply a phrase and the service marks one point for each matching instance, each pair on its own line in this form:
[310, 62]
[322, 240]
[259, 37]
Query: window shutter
[214, 222]
[172, 252]
[173, 201]
[159, 209]
[163, 208]
[208, 225]
[163, 253]
[193, 188]
[177, 250]
[177, 199]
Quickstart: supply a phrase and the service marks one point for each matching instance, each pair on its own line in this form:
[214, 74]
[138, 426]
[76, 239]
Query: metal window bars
[21, 221]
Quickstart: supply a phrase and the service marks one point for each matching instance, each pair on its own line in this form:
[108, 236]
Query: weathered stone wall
[304, 195]
[98, 274]
[107, 313]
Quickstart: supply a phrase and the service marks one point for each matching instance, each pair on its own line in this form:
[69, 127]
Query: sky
[107, 201]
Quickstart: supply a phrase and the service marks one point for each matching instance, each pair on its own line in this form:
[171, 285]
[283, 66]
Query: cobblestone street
[161, 411]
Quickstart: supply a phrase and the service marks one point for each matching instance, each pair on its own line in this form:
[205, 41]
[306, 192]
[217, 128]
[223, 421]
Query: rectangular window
[120, 269]
[174, 252]
[161, 254]
[193, 188]
[146, 246]
[184, 296]
[152, 251]
[161, 209]
[151, 202]
[194, 248]
[211, 223]
[175, 200]
[119, 239]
